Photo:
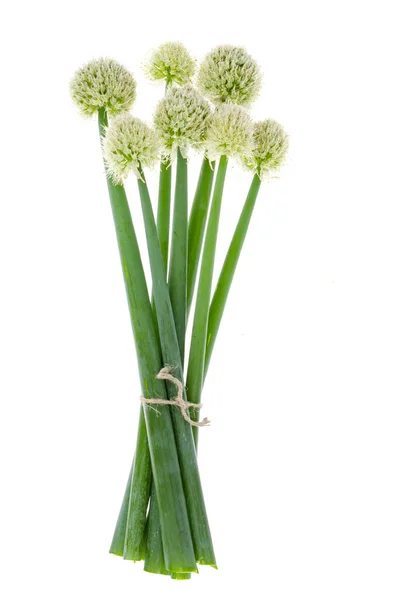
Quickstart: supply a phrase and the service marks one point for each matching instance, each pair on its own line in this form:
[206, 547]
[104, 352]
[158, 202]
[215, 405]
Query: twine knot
[178, 401]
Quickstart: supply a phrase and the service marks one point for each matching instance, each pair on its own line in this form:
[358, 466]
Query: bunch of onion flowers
[231, 79]
[163, 519]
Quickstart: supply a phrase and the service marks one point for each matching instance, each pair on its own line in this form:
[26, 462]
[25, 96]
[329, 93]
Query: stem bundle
[171, 355]
[163, 520]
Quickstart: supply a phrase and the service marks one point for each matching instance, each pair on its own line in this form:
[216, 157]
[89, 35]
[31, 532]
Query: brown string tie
[178, 401]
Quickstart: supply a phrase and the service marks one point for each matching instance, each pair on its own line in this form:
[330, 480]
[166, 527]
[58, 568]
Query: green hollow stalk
[170, 351]
[159, 439]
[154, 555]
[129, 538]
[229, 267]
[195, 373]
[163, 213]
[177, 279]
[134, 539]
[130, 527]
[164, 209]
[117, 545]
[197, 222]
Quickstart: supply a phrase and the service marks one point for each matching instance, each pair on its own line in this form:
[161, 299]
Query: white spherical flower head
[230, 133]
[103, 83]
[129, 144]
[270, 149]
[181, 119]
[172, 63]
[229, 74]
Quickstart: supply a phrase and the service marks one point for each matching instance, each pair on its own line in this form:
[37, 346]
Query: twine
[178, 401]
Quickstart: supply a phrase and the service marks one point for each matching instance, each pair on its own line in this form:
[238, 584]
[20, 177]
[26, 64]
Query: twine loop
[179, 401]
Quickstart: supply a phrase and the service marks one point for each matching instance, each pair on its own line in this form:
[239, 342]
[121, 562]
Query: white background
[299, 465]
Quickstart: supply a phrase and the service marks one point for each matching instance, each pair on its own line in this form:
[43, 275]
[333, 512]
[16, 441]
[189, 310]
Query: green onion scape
[163, 518]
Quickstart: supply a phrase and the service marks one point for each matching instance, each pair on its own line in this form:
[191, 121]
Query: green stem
[163, 215]
[197, 221]
[117, 545]
[154, 557]
[229, 267]
[141, 477]
[138, 500]
[177, 542]
[171, 356]
[164, 209]
[178, 260]
[130, 524]
[195, 371]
